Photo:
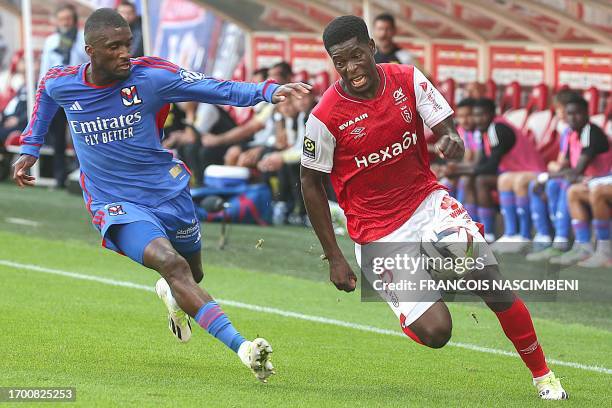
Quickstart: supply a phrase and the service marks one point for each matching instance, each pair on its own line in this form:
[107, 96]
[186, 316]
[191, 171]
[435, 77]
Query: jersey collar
[379, 92]
[89, 84]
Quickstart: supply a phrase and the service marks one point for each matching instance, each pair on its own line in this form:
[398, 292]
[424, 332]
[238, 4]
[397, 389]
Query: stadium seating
[592, 97]
[537, 101]
[491, 89]
[447, 89]
[511, 98]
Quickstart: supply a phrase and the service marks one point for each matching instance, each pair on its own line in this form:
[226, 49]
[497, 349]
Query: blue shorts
[128, 228]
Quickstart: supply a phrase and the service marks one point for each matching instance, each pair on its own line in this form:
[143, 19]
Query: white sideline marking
[295, 315]
[22, 221]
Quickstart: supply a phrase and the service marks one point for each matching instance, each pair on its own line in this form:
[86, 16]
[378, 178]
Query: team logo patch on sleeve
[309, 148]
[191, 76]
[116, 210]
[129, 96]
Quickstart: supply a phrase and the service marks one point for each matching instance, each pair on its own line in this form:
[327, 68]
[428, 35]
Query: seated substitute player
[592, 198]
[585, 154]
[503, 149]
[137, 195]
[367, 133]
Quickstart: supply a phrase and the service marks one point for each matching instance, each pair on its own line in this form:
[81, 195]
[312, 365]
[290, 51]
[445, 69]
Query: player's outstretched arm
[297, 90]
[315, 199]
[175, 84]
[449, 145]
[20, 170]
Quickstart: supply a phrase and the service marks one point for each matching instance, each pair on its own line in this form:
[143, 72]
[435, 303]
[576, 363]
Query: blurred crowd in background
[536, 172]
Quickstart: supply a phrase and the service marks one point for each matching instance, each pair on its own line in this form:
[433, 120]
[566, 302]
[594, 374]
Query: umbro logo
[76, 106]
[358, 132]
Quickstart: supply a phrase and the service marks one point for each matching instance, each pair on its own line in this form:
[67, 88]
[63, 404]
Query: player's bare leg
[197, 303]
[433, 328]
[179, 322]
[600, 198]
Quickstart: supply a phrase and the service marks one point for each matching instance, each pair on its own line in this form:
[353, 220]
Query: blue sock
[212, 319]
[602, 229]
[563, 220]
[524, 216]
[508, 210]
[582, 231]
[472, 211]
[553, 189]
[487, 217]
[539, 212]
[461, 192]
[446, 182]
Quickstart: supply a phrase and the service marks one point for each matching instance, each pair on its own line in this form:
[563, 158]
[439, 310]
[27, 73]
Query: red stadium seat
[240, 72]
[491, 89]
[301, 76]
[321, 82]
[592, 97]
[447, 89]
[511, 99]
[537, 101]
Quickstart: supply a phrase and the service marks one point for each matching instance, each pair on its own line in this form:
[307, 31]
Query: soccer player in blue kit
[135, 191]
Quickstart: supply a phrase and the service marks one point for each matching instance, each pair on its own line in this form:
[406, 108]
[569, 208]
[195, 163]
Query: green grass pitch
[112, 343]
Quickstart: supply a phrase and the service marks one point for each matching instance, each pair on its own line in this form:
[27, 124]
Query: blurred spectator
[504, 148]
[513, 189]
[584, 154]
[64, 47]
[128, 11]
[260, 127]
[259, 75]
[589, 205]
[475, 90]
[466, 190]
[286, 160]
[386, 50]
[15, 114]
[12, 79]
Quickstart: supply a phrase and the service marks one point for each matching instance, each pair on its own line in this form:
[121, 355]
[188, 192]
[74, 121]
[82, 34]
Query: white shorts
[438, 209]
[599, 181]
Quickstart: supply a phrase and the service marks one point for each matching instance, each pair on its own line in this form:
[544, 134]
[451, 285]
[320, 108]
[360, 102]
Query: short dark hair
[577, 99]
[69, 7]
[466, 103]
[343, 28]
[285, 68]
[385, 17]
[564, 95]
[100, 19]
[261, 71]
[485, 103]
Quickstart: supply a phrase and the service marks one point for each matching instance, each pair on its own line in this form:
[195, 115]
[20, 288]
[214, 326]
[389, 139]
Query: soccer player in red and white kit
[367, 134]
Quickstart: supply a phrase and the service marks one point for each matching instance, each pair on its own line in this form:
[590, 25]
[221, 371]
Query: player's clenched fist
[293, 89]
[20, 170]
[341, 275]
[450, 147]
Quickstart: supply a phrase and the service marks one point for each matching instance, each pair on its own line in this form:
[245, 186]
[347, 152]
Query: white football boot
[256, 356]
[179, 322]
[549, 387]
[507, 244]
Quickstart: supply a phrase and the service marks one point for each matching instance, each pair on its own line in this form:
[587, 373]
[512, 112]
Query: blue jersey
[117, 129]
